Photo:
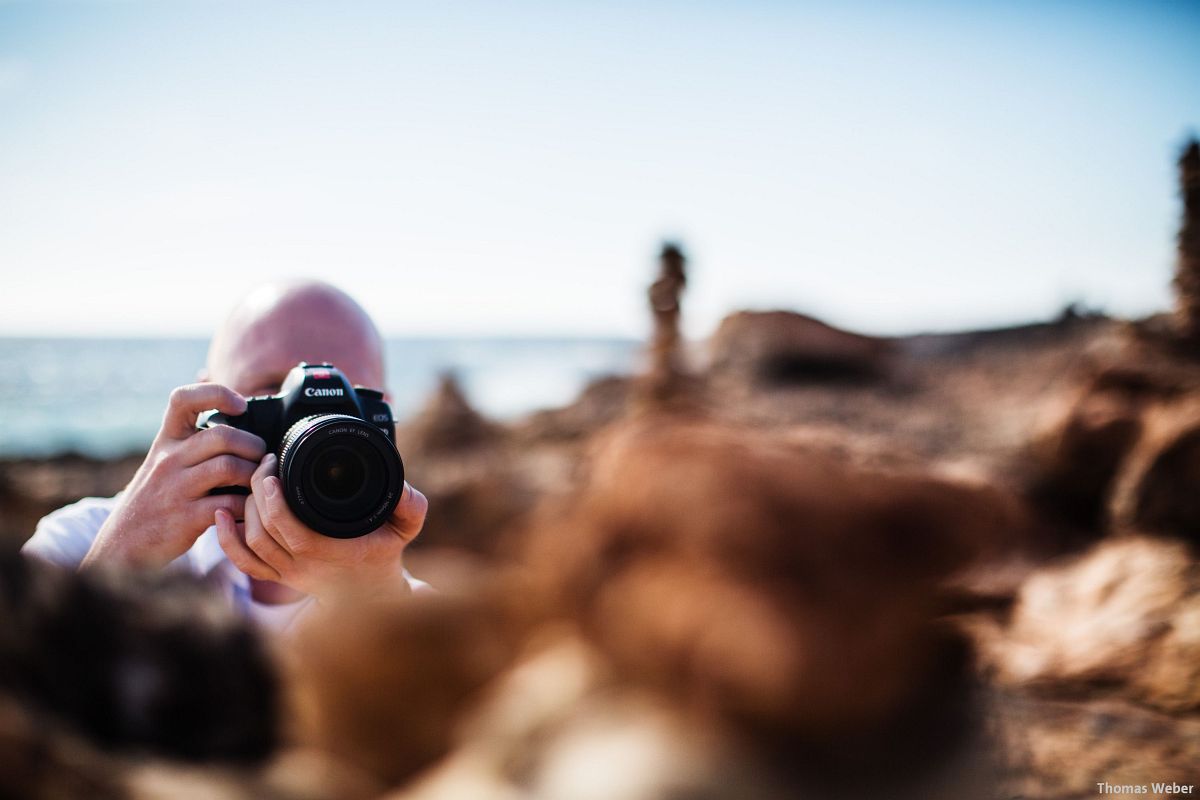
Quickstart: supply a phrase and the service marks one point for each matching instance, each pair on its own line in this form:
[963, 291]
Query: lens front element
[341, 476]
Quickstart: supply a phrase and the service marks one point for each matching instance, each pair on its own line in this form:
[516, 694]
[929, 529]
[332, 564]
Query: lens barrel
[341, 476]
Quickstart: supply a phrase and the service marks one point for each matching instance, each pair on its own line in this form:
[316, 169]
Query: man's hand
[166, 506]
[273, 545]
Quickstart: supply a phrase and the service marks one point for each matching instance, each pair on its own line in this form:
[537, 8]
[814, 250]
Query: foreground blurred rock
[1098, 671]
[1123, 619]
[150, 663]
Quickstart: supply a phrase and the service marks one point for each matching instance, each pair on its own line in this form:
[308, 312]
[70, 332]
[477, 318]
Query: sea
[105, 397]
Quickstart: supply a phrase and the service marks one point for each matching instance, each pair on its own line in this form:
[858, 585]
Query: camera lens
[341, 476]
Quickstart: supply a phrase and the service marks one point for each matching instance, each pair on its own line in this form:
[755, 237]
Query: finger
[217, 471]
[404, 525]
[223, 440]
[187, 402]
[263, 544]
[205, 507]
[258, 491]
[235, 548]
[409, 516]
[278, 519]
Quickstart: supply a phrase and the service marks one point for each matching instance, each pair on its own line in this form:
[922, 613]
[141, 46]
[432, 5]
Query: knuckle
[224, 468]
[162, 464]
[255, 537]
[179, 396]
[221, 436]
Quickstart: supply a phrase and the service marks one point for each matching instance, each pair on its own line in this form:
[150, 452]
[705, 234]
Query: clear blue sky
[509, 168]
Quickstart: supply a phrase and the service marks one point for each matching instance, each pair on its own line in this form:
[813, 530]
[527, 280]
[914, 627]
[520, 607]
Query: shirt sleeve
[65, 536]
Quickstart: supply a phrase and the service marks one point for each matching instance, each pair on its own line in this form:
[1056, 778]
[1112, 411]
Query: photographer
[254, 547]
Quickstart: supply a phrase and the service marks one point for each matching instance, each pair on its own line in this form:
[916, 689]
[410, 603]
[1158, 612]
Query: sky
[512, 168]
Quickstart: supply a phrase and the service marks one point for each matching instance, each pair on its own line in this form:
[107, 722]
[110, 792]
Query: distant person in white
[253, 548]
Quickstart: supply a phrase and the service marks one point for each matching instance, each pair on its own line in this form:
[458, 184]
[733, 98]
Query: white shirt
[65, 536]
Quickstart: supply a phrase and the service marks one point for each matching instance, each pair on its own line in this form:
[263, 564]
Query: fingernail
[269, 485]
[269, 460]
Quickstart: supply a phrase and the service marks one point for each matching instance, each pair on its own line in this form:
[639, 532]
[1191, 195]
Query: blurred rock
[32, 488]
[1187, 266]
[474, 511]
[1125, 617]
[1121, 454]
[666, 382]
[152, 663]
[1059, 749]
[783, 346]
[447, 422]
[1158, 489]
[559, 726]
[761, 586]
[1071, 466]
[602, 401]
[39, 759]
[383, 686]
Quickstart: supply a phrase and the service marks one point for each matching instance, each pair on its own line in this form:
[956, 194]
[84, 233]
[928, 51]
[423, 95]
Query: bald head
[280, 324]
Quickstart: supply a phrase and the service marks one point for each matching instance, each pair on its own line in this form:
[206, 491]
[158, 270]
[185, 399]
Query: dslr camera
[341, 473]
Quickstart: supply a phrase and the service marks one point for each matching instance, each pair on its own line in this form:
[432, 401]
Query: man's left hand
[275, 546]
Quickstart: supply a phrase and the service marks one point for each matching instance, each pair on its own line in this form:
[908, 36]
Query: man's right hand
[167, 505]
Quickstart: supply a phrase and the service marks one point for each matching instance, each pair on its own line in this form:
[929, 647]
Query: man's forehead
[260, 353]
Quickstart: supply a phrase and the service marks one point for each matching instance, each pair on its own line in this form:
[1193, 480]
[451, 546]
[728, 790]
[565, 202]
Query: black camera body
[341, 473]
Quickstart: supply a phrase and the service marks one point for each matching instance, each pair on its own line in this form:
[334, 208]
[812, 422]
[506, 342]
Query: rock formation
[783, 346]
[665, 380]
[1125, 617]
[1187, 265]
[447, 423]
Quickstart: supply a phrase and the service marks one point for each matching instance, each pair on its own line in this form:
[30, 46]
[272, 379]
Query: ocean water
[105, 397]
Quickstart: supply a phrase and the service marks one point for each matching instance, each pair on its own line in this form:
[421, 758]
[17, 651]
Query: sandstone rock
[1158, 487]
[31, 488]
[1124, 616]
[1072, 465]
[783, 594]
[1059, 749]
[447, 423]
[782, 346]
[116, 658]
[474, 509]
[602, 401]
[383, 686]
[1187, 268]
